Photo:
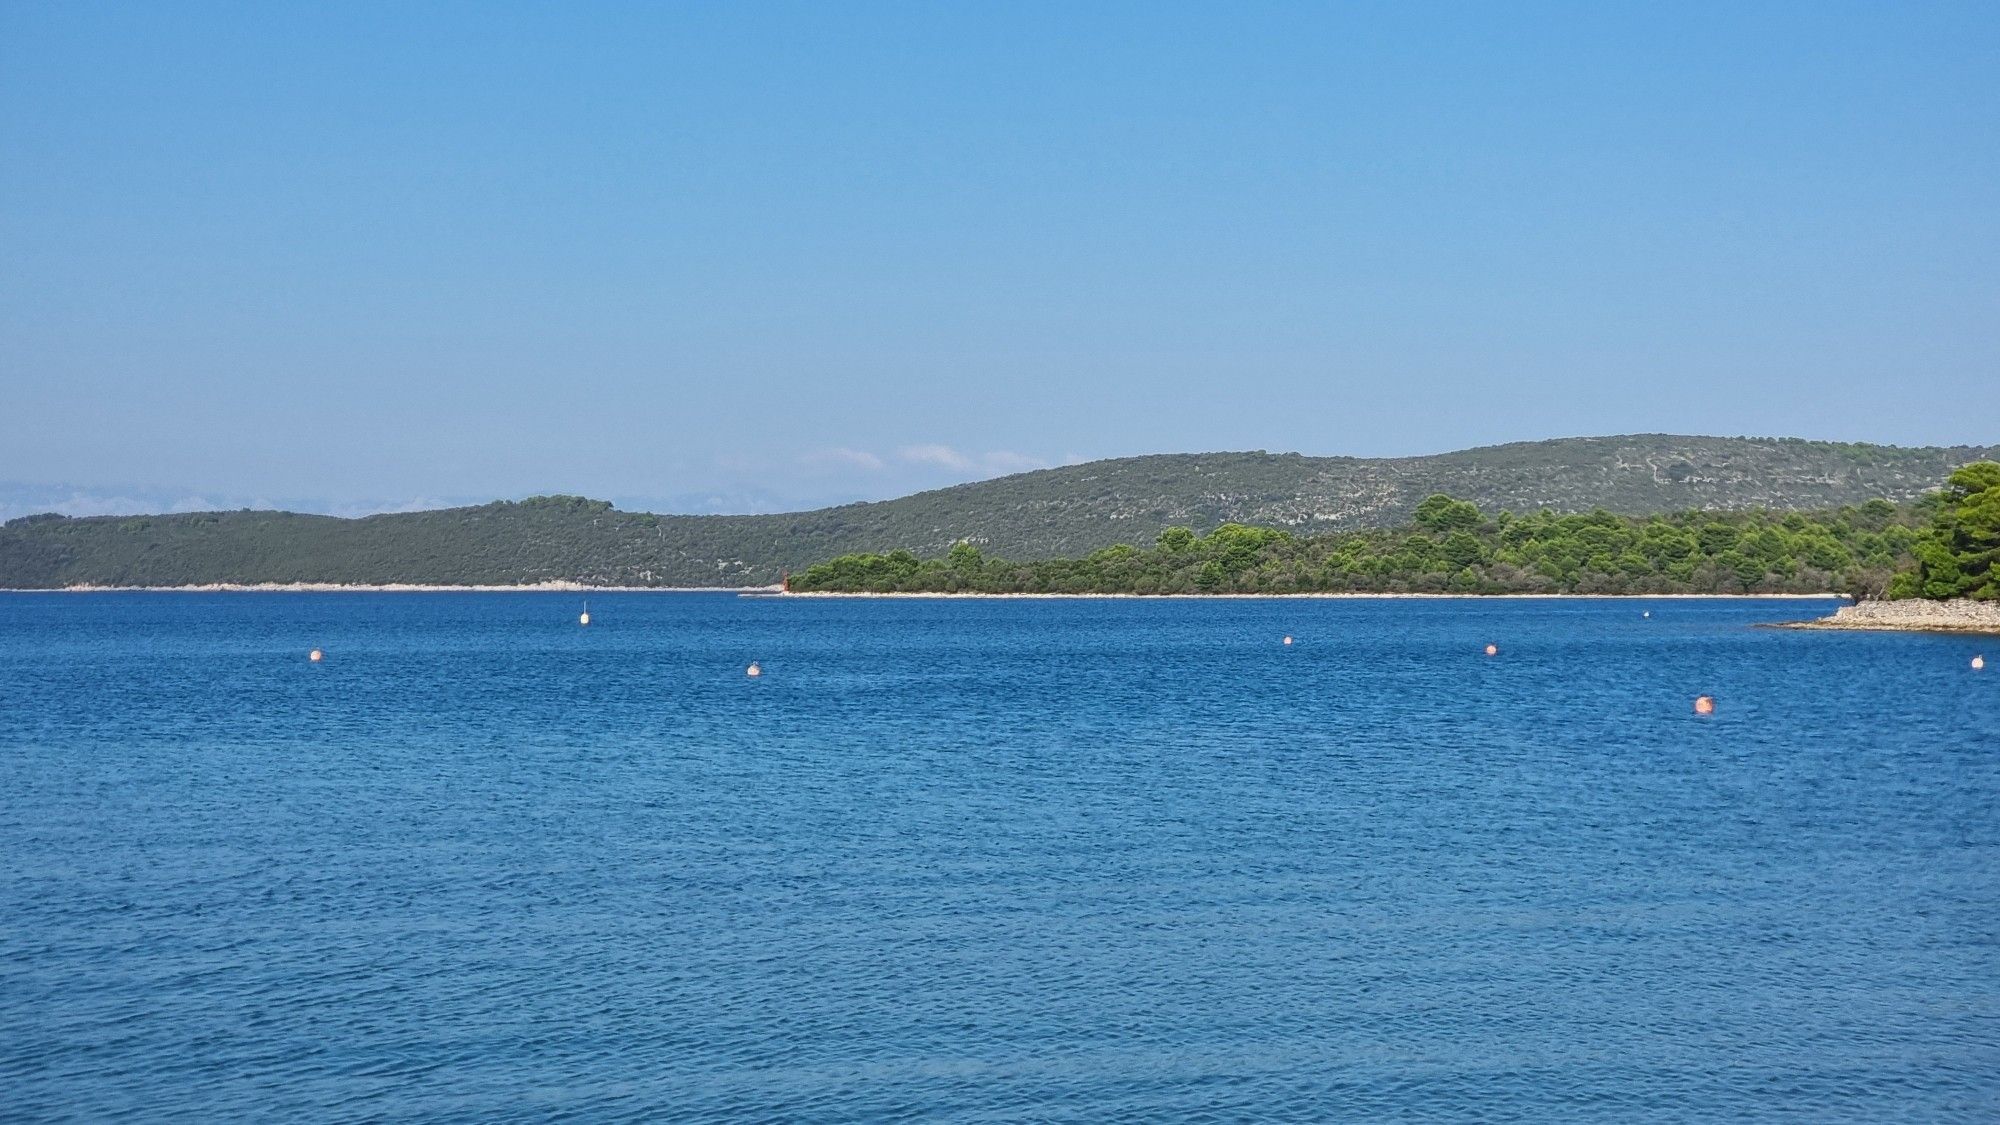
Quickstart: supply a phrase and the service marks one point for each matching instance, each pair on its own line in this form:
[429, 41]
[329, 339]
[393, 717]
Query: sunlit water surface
[990, 860]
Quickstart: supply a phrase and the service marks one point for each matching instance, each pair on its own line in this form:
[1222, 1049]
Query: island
[1937, 550]
[1061, 512]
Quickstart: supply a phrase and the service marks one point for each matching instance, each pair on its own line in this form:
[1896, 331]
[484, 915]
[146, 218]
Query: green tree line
[1959, 555]
[1453, 547]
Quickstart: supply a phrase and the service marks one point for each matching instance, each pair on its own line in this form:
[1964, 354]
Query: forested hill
[1055, 512]
[1451, 547]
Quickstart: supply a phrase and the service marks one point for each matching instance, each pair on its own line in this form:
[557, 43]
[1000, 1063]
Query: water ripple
[990, 861]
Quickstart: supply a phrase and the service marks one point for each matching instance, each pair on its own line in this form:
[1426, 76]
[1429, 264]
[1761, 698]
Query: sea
[1077, 860]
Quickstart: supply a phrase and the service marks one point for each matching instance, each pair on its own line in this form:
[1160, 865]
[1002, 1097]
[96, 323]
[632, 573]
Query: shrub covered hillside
[1052, 513]
[1451, 547]
[1959, 556]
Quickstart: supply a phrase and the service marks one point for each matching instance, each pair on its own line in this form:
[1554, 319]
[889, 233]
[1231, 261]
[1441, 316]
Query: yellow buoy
[753, 670]
[1288, 638]
[1703, 705]
[1978, 662]
[315, 656]
[1492, 650]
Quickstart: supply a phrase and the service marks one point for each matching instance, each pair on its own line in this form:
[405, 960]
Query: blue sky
[738, 256]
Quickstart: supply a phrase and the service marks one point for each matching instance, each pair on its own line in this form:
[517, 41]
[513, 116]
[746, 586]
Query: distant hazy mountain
[1061, 511]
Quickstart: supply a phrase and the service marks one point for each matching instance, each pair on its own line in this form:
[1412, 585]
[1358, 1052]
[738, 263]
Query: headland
[1914, 615]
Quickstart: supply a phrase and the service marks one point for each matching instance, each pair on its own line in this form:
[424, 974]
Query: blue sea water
[1102, 860]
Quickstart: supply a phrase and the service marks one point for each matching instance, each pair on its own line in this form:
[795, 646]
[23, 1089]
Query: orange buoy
[1703, 705]
[1288, 638]
[315, 656]
[1978, 662]
[753, 670]
[1492, 650]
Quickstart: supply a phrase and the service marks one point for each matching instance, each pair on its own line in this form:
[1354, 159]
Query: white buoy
[1288, 638]
[316, 656]
[583, 618]
[1978, 662]
[753, 671]
[1648, 613]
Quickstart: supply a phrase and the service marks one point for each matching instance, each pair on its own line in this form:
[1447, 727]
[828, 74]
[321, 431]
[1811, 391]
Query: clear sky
[735, 256]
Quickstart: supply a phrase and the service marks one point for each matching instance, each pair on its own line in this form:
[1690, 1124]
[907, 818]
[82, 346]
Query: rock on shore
[1914, 614]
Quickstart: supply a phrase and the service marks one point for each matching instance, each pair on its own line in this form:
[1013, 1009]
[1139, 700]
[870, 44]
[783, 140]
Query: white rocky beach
[1962, 615]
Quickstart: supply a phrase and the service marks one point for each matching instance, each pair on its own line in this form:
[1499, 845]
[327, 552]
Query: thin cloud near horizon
[934, 455]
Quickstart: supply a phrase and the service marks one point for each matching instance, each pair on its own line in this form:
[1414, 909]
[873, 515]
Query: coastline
[1909, 615]
[566, 587]
[1962, 617]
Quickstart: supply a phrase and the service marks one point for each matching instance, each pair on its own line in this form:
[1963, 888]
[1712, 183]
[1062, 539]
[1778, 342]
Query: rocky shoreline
[1911, 615]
